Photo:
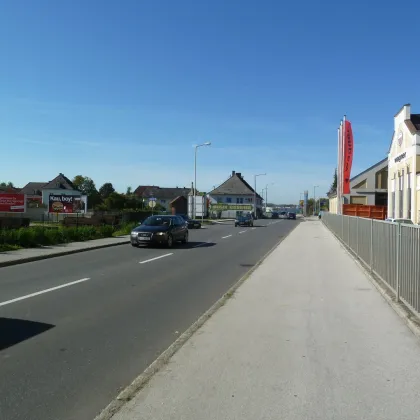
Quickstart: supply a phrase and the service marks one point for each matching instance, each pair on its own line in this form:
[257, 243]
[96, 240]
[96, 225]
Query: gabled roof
[383, 163]
[140, 189]
[180, 197]
[235, 185]
[32, 188]
[165, 193]
[61, 182]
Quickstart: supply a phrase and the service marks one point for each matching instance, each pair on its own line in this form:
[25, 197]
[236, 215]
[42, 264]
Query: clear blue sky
[121, 90]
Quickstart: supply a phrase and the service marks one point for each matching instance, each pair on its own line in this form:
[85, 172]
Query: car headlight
[160, 233]
[134, 234]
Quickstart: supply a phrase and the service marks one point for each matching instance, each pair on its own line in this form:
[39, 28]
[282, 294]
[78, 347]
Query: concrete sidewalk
[306, 337]
[33, 254]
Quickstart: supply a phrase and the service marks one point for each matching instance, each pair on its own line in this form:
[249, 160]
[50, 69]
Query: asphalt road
[66, 352]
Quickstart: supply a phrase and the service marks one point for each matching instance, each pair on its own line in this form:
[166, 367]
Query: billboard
[222, 207]
[12, 203]
[60, 203]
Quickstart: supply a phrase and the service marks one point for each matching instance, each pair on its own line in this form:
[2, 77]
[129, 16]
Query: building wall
[333, 205]
[402, 170]
[234, 199]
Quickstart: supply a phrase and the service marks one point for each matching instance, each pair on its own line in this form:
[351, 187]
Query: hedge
[40, 236]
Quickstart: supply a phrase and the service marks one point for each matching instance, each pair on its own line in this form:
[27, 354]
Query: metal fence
[389, 250]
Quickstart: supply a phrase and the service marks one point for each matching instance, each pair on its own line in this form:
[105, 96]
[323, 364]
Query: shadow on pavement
[14, 331]
[201, 244]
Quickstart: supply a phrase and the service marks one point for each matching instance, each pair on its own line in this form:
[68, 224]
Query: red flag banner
[348, 155]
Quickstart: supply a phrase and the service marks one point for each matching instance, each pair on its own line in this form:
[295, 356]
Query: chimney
[233, 173]
[239, 174]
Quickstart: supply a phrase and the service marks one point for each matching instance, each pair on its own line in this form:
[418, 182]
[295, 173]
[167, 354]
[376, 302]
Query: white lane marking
[156, 258]
[242, 231]
[41, 292]
[228, 236]
[253, 228]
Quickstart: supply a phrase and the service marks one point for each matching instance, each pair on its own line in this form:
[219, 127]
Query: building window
[401, 195]
[228, 199]
[408, 194]
[239, 200]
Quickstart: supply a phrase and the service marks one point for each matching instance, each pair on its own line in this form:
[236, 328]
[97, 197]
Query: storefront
[404, 167]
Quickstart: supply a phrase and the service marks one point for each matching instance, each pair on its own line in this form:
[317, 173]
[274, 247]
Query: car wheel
[170, 241]
[185, 240]
[135, 245]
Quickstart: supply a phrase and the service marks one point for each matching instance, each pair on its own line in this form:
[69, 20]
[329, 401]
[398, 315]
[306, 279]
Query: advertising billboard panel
[12, 203]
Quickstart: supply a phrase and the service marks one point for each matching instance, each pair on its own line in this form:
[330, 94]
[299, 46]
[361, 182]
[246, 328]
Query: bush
[40, 236]
[125, 229]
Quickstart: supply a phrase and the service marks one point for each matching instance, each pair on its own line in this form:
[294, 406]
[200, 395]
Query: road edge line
[58, 254]
[163, 359]
[403, 311]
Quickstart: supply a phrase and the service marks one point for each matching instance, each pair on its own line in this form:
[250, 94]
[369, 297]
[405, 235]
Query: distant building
[233, 196]
[370, 187]
[173, 200]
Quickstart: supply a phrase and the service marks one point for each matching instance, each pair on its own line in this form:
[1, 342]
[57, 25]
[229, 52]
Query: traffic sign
[152, 203]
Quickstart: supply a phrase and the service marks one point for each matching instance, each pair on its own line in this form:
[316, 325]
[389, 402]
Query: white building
[404, 166]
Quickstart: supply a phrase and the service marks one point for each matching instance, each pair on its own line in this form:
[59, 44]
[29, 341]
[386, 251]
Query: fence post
[342, 227]
[397, 286]
[348, 233]
[357, 237]
[371, 245]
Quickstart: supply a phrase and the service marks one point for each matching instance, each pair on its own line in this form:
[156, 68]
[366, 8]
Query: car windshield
[406, 221]
[157, 221]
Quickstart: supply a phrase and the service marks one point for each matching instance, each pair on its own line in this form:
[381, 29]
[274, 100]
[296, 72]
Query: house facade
[235, 195]
[370, 187]
[404, 166]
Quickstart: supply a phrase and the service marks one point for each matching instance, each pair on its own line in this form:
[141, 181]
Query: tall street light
[255, 193]
[195, 177]
[315, 186]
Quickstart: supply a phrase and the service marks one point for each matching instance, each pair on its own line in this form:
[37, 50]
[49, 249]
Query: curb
[410, 318]
[58, 254]
[163, 359]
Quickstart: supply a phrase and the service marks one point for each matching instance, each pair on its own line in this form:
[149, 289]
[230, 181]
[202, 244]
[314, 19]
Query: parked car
[274, 215]
[283, 214]
[402, 221]
[291, 215]
[192, 224]
[160, 230]
[244, 220]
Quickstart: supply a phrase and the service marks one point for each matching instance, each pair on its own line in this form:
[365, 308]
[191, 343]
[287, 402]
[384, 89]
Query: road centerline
[227, 236]
[156, 258]
[242, 231]
[41, 292]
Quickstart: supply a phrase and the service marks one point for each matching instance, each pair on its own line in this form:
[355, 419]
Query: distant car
[192, 224]
[283, 214]
[291, 215]
[274, 215]
[244, 220]
[160, 230]
[402, 221]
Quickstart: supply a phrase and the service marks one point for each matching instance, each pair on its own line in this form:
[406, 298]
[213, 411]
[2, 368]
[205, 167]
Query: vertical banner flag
[347, 156]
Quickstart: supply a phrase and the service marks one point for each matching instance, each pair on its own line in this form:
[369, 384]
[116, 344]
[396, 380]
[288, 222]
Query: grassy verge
[40, 236]
[5, 248]
[125, 229]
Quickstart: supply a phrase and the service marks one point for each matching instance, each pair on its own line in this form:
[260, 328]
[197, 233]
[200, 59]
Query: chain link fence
[389, 250]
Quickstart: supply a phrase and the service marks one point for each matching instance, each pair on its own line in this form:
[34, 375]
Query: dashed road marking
[156, 258]
[41, 292]
[228, 236]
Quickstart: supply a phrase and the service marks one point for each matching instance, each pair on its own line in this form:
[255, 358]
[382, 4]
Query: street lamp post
[255, 193]
[315, 186]
[266, 194]
[195, 177]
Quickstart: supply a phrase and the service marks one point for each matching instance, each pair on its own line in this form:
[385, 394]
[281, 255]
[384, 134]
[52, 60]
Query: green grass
[125, 229]
[41, 236]
[5, 248]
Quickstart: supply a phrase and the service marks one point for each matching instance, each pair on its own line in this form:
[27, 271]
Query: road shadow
[260, 226]
[199, 244]
[14, 331]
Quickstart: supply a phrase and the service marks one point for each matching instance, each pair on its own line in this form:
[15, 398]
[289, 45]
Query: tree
[7, 184]
[106, 190]
[115, 201]
[334, 184]
[129, 191]
[87, 187]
